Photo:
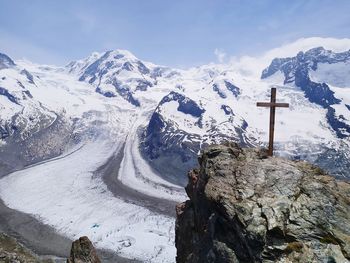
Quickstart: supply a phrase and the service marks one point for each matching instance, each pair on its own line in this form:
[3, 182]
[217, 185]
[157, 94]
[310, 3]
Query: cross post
[272, 105]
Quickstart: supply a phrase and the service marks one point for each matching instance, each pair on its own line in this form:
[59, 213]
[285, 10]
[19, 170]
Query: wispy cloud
[87, 22]
[220, 55]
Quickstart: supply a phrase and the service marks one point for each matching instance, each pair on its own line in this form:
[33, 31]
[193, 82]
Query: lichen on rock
[247, 207]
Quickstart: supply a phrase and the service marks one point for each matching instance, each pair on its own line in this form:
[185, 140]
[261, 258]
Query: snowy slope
[86, 112]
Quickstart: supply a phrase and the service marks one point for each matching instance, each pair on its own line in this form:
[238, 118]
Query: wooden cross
[272, 105]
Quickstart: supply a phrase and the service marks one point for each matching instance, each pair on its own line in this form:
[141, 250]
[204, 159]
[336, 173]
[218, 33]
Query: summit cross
[272, 105]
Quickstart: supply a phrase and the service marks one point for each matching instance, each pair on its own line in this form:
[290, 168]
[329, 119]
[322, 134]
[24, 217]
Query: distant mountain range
[45, 110]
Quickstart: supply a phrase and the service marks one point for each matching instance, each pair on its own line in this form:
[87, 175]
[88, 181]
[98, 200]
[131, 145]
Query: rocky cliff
[247, 207]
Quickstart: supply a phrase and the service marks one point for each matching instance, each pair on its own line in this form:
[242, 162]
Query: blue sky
[179, 33]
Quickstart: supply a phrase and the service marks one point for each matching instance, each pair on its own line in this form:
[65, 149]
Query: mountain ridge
[119, 74]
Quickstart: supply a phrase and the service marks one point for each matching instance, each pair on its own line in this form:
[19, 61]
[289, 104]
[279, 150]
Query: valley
[101, 146]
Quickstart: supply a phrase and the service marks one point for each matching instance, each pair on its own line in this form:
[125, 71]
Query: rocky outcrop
[13, 252]
[247, 207]
[83, 252]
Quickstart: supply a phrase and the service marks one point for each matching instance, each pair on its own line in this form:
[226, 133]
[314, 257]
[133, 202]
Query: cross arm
[272, 104]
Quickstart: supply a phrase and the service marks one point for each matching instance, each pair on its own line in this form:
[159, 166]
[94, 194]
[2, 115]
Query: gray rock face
[6, 61]
[247, 207]
[25, 146]
[83, 252]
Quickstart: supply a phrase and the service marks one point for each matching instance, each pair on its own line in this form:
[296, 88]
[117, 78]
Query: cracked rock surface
[247, 207]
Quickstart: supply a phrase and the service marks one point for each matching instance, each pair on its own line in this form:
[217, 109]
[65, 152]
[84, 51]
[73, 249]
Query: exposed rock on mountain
[179, 127]
[6, 61]
[247, 207]
[83, 252]
[164, 141]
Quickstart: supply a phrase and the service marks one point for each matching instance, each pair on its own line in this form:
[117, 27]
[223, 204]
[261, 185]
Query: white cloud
[304, 44]
[220, 55]
[253, 66]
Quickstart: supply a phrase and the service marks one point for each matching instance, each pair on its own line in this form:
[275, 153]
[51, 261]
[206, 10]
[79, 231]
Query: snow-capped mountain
[323, 77]
[118, 73]
[30, 130]
[188, 109]
[316, 127]
[314, 72]
[146, 123]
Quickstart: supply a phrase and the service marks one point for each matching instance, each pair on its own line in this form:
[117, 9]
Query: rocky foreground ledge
[11, 251]
[247, 207]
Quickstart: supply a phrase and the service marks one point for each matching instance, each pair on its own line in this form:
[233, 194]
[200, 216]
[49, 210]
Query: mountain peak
[109, 57]
[120, 53]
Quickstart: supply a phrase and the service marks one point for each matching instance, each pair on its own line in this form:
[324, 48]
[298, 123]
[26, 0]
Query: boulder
[83, 251]
[247, 207]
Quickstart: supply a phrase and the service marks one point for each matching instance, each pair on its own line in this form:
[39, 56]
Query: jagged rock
[247, 207]
[83, 251]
